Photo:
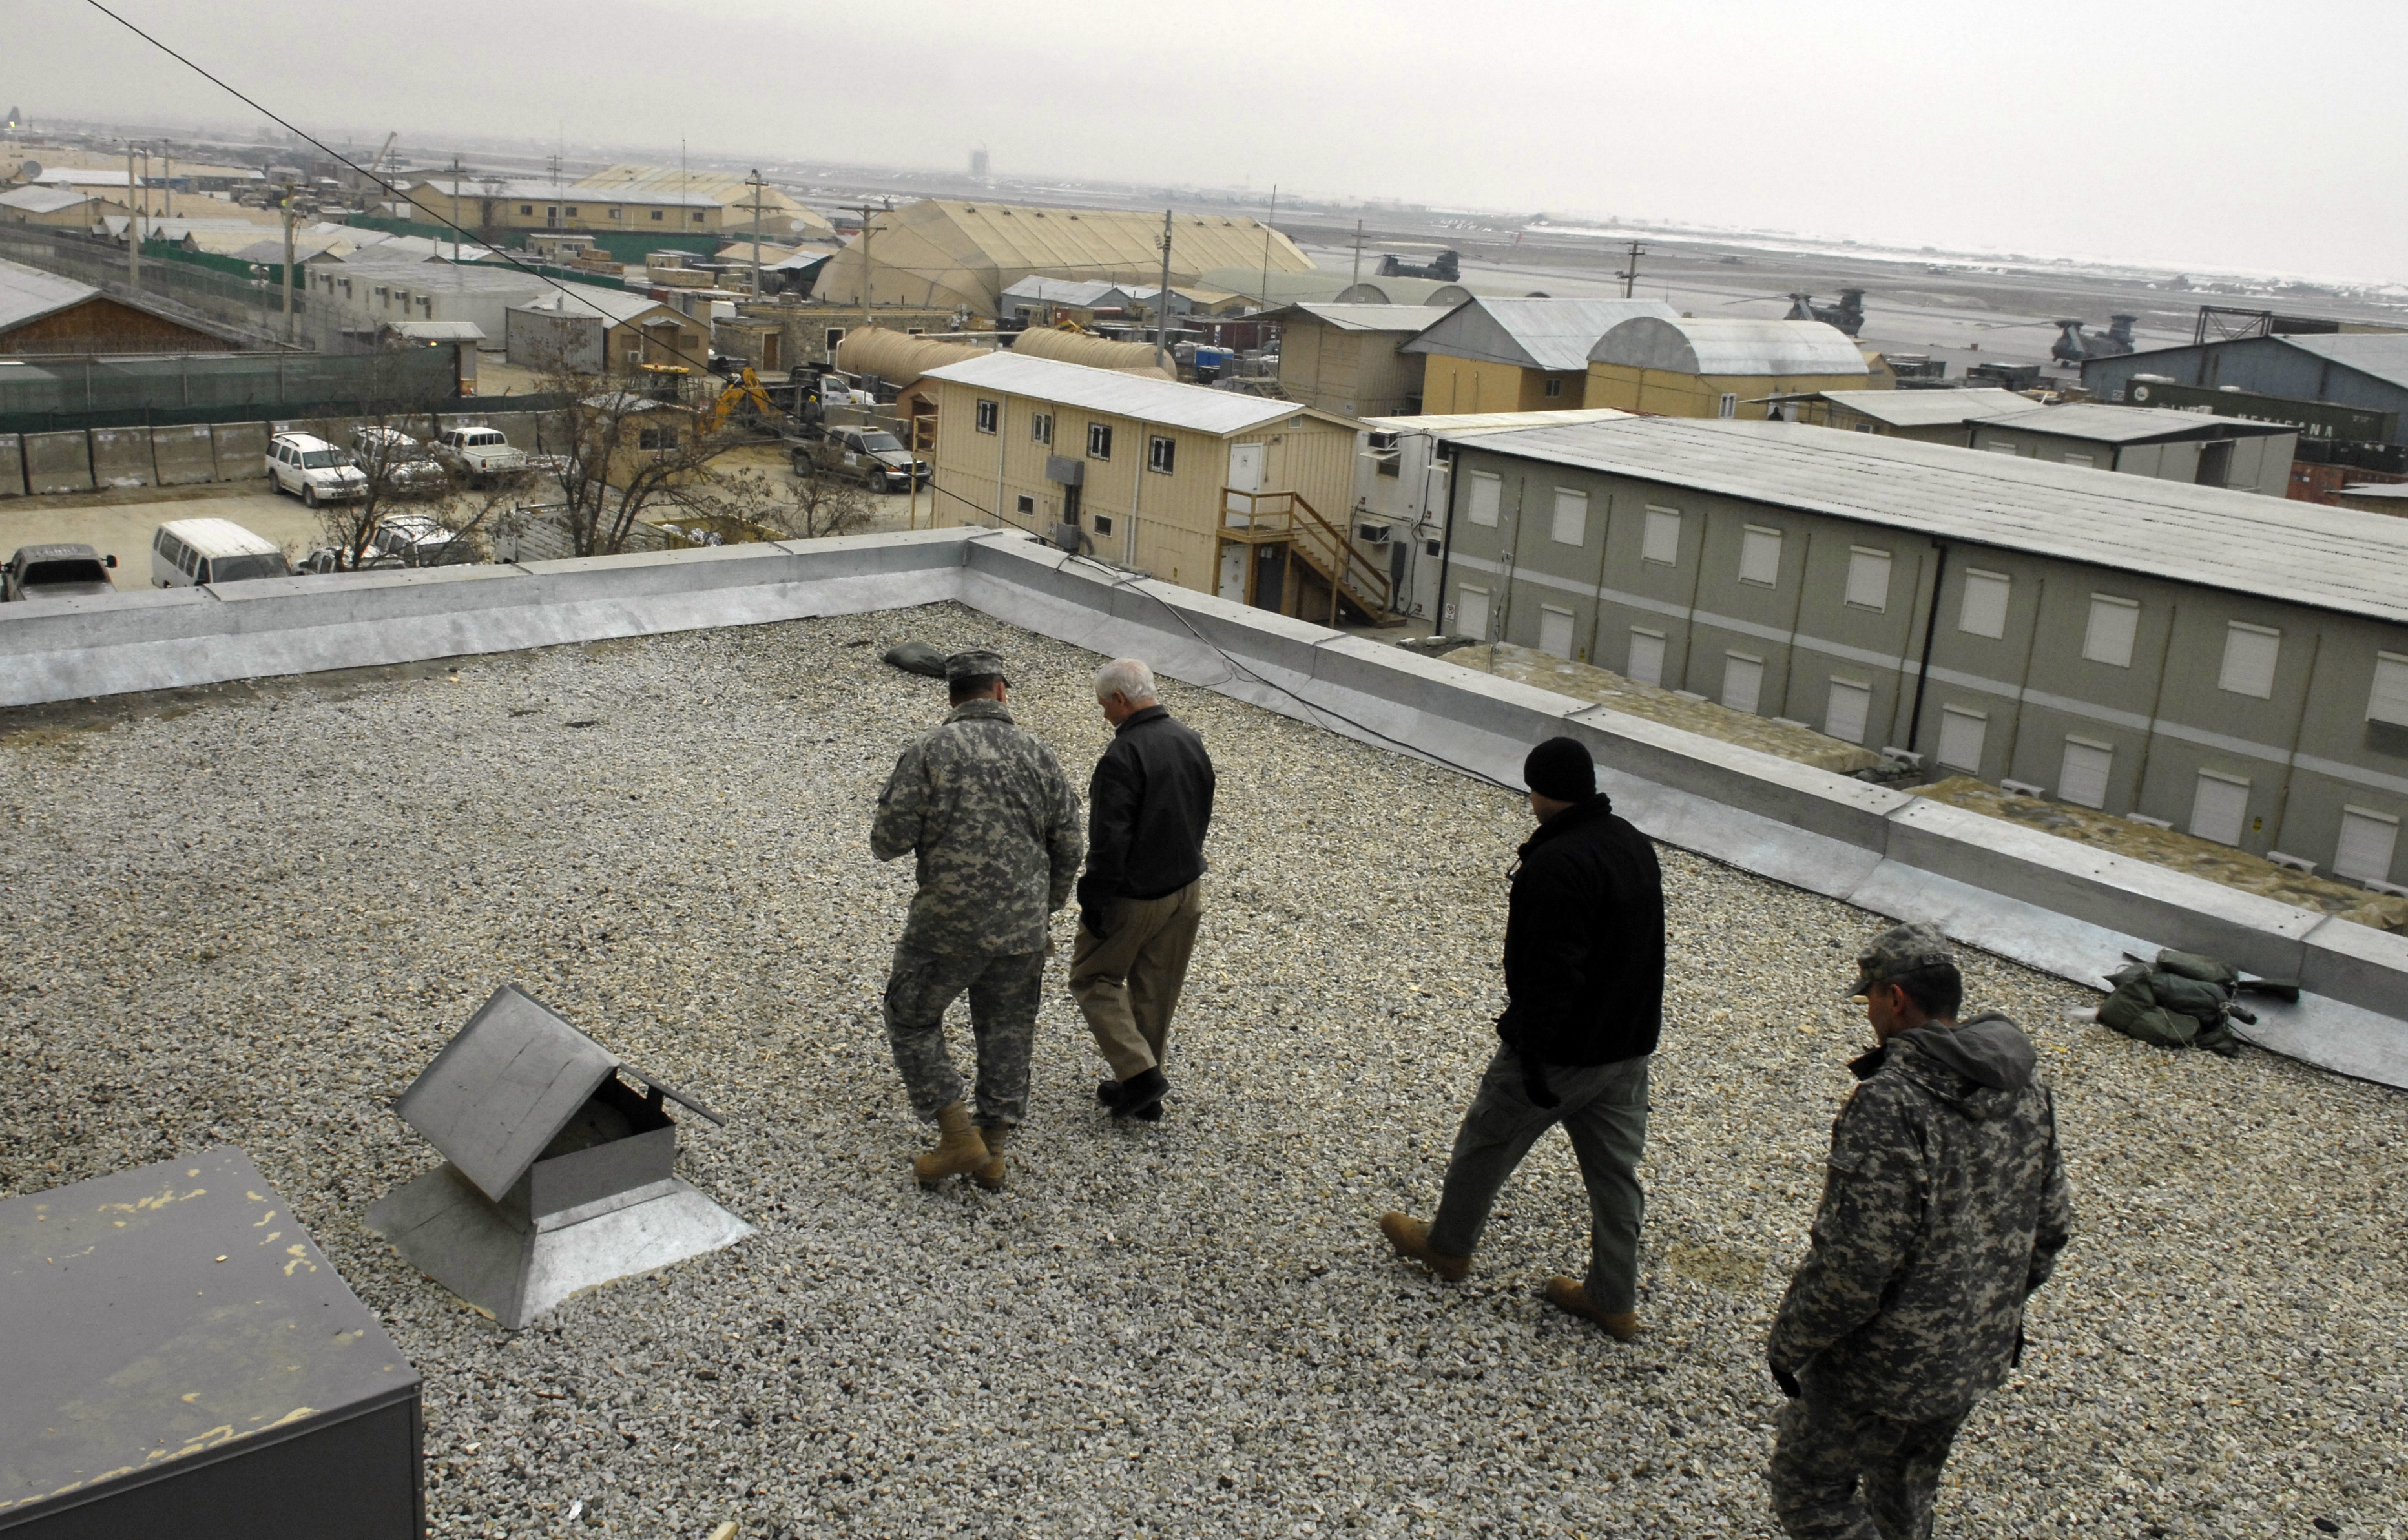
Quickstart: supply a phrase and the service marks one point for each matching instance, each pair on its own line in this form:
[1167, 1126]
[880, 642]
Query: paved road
[122, 524]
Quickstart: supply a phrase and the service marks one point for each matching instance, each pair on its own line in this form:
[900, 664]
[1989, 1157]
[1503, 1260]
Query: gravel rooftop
[252, 914]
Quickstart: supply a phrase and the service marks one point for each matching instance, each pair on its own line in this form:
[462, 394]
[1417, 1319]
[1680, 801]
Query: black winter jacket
[1585, 941]
[1148, 806]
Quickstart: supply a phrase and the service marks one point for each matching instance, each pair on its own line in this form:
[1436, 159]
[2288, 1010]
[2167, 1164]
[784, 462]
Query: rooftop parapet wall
[2053, 903]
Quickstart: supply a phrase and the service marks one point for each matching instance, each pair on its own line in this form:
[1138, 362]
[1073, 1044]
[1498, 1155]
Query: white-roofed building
[1675, 366]
[2174, 446]
[1209, 489]
[1496, 355]
[57, 207]
[1350, 359]
[1931, 416]
[591, 329]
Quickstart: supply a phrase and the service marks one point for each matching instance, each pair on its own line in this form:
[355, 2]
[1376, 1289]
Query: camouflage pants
[1824, 1449]
[1004, 988]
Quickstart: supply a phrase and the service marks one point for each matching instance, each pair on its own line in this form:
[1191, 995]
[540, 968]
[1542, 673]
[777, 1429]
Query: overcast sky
[2202, 134]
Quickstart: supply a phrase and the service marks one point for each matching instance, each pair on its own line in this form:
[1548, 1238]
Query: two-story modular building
[1209, 489]
[2227, 663]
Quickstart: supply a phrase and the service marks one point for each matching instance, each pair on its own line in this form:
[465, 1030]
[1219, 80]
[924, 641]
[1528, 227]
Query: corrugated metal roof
[2332, 558]
[2382, 354]
[1533, 334]
[43, 200]
[1729, 345]
[437, 331]
[28, 294]
[592, 300]
[2097, 422]
[1457, 423]
[1930, 407]
[1083, 293]
[1374, 318]
[72, 176]
[1120, 393]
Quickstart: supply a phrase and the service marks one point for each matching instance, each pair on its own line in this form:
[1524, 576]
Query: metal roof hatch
[558, 1174]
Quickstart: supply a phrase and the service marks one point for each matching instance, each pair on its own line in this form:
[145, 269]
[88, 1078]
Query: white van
[195, 551]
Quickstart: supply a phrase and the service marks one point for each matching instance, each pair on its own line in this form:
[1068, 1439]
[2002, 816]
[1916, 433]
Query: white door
[2219, 808]
[1245, 474]
[1961, 733]
[1742, 681]
[2368, 842]
[1470, 614]
[1646, 657]
[1844, 714]
[1555, 632]
[2082, 778]
[1233, 574]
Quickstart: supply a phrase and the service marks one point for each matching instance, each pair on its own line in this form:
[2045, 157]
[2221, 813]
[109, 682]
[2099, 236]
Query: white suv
[313, 470]
[480, 452]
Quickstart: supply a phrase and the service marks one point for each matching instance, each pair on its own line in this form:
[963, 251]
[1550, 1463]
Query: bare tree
[621, 452]
[389, 439]
[806, 504]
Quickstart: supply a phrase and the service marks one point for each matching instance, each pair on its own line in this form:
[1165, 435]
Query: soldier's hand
[1787, 1381]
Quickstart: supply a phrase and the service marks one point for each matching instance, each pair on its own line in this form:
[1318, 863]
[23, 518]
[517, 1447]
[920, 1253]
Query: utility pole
[1266, 250]
[1162, 300]
[756, 234]
[865, 269]
[167, 176]
[1358, 255]
[1630, 274]
[133, 228]
[288, 256]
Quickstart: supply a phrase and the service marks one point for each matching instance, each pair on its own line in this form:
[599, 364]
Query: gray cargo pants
[1604, 1108]
[1823, 1449]
[1004, 988]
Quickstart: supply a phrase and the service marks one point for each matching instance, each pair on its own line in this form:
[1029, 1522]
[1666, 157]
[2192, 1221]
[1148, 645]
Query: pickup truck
[872, 456]
[480, 453]
[56, 572]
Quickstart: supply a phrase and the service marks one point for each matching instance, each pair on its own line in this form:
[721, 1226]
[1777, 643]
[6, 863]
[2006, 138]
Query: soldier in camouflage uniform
[996, 828]
[1944, 1205]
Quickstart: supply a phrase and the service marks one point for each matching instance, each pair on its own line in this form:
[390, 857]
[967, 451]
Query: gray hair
[1126, 676]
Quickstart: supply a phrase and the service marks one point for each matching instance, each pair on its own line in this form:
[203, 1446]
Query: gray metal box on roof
[177, 1358]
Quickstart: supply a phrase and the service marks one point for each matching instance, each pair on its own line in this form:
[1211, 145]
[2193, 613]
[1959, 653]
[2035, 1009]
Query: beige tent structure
[1096, 352]
[941, 252]
[736, 193]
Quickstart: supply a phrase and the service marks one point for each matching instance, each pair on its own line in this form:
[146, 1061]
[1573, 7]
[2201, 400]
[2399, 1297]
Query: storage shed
[1490, 354]
[1676, 366]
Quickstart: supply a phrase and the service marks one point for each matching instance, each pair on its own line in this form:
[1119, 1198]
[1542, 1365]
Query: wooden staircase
[1355, 583]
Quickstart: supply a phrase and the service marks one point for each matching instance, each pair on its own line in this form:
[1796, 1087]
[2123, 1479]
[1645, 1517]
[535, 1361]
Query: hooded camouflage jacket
[1944, 1205]
[995, 827]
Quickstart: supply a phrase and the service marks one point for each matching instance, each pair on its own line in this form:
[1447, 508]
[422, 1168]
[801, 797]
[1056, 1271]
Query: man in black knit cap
[1584, 990]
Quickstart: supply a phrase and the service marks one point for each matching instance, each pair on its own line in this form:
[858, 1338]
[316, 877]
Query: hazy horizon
[2103, 137]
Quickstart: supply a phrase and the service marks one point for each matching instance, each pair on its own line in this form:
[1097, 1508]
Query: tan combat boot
[990, 1175]
[959, 1148]
[1410, 1237]
[1571, 1298]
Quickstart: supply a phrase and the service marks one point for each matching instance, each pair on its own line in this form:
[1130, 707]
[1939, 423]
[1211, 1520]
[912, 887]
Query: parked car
[403, 462]
[416, 541]
[187, 552]
[326, 559]
[56, 572]
[314, 471]
[872, 456]
[480, 453]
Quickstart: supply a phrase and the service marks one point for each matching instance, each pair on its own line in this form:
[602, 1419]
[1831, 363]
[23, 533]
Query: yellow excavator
[745, 388]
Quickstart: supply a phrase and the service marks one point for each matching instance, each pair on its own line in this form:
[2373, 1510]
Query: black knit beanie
[1561, 771]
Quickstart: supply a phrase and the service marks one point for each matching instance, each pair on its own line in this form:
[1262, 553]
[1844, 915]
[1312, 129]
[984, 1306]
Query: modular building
[1208, 489]
[1490, 354]
[1348, 359]
[2367, 370]
[2213, 660]
[1928, 416]
[1681, 366]
[2174, 446]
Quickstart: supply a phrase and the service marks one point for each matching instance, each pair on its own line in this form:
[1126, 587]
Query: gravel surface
[253, 915]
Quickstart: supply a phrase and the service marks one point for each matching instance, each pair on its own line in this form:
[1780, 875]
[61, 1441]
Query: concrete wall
[121, 457]
[12, 465]
[240, 450]
[184, 456]
[2064, 907]
[2307, 749]
[58, 462]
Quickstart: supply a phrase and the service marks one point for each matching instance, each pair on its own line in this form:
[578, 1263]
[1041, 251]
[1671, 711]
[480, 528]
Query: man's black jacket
[1147, 810]
[1585, 941]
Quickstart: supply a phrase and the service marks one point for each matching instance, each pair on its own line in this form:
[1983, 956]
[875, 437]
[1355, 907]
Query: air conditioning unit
[1375, 534]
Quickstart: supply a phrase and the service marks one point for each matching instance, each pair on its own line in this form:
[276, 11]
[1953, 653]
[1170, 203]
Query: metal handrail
[1370, 579]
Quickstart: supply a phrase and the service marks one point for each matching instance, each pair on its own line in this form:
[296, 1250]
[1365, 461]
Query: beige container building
[1491, 354]
[1346, 358]
[1720, 366]
[1928, 416]
[1213, 490]
[942, 253]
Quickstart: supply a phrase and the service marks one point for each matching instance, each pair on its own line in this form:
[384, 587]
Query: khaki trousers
[1128, 984]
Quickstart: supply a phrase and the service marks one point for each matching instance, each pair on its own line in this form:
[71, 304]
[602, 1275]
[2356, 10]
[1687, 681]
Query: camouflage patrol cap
[977, 663]
[1900, 950]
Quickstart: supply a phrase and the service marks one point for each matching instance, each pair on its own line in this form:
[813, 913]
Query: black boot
[1140, 1096]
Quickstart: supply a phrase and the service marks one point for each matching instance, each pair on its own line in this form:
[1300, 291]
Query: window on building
[1742, 681]
[656, 213]
[834, 336]
[2250, 653]
[989, 413]
[1849, 706]
[1470, 613]
[571, 211]
[1961, 734]
[2082, 460]
[1099, 441]
[1103, 523]
[652, 437]
[2114, 623]
[1554, 390]
[1486, 493]
[383, 296]
[2000, 446]
[1570, 526]
[2368, 840]
[614, 213]
[1161, 453]
[2388, 701]
[2219, 807]
[695, 217]
[1041, 427]
[1760, 555]
[1556, 631]
[1729, 406]
[1984, 612]
[1646, 665]
[1661, 542]
[2082, 778]
[526, 207]
[1024, 504]
[1868, 577]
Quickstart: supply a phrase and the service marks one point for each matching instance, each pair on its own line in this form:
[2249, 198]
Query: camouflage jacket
[1944, 1205]
[996, 825]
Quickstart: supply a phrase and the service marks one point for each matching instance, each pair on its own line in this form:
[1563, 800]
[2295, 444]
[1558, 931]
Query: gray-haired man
[1141, 900]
